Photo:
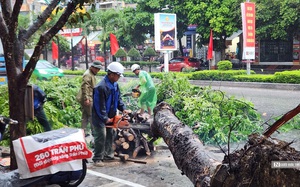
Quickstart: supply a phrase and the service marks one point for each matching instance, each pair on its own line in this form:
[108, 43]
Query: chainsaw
[135, 93]
[119, 121]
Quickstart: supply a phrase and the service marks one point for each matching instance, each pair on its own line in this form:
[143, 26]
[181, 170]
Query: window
[276, 51]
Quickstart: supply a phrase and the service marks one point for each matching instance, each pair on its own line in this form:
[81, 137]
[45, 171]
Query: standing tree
[14, 40]
[134, 54]
[285, 25]
[150, 52]
[224, 17]
[108, 21]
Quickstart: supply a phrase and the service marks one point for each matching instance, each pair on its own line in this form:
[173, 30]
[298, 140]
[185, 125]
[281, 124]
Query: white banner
[51, 152]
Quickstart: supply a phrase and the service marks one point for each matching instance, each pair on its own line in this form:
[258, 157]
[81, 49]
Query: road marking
[114, 178]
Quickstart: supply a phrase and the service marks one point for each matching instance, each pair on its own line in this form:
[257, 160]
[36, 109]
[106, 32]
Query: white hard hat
[135, 67]
[116, 67]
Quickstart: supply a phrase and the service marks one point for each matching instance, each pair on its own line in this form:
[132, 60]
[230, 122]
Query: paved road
[269, 99]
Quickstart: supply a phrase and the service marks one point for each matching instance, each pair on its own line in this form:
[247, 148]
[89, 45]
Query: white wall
[1, 48]
[232, 47]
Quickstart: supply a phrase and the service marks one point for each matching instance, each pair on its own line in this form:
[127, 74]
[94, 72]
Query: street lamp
[72, 51]
[86, 52]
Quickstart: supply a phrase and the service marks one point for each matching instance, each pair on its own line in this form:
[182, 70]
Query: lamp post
[86, 52]
[72, 52]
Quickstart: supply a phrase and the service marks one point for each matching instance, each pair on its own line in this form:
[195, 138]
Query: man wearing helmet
[107, 99]
[148, 97]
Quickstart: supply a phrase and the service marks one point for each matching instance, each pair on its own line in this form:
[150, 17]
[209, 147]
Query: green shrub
[224, 65]
[149, 52]
[120, 53]
[217, 75]
[134, 54]
[254, 78]
[287, 77]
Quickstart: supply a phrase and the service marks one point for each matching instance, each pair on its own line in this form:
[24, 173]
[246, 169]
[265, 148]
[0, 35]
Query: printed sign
[50, 152]
[55, 154]
[165, 32]
[248, 20]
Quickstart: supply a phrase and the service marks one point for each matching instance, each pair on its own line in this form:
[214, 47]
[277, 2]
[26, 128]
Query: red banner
[54, 51]
[210, 46]
[55, 154]
[114, 45]
[248, 19]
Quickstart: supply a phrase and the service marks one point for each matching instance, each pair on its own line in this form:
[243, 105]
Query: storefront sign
[70, 32]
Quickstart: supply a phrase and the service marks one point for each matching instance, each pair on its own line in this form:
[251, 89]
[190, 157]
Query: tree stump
[253, 166]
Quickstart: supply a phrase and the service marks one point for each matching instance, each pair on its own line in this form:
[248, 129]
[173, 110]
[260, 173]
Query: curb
[277, 86]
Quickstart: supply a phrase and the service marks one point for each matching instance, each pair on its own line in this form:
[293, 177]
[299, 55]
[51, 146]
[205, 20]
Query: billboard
[165, 32]
[248, 20]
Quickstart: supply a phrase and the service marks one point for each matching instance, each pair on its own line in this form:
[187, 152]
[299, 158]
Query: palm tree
[108, 21]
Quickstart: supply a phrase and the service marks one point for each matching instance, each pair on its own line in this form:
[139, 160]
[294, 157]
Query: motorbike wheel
[74, 183]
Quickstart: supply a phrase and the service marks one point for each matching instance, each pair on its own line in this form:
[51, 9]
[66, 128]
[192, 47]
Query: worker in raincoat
[148, 97]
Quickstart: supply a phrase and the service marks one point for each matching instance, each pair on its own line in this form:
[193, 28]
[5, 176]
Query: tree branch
[45, 38]
[41, 19]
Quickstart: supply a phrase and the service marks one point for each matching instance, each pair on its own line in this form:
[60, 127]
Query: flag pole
[210, 49]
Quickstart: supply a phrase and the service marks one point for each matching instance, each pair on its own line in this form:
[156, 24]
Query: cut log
[118, 142]
[127, 135]
[122, 139]
[125, 145]
[146, 147]
[125, 157]
[136, 151]
[136, 139]
[187, 150]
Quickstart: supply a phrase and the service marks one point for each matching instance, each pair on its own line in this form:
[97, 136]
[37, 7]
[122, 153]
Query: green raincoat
[148, 97]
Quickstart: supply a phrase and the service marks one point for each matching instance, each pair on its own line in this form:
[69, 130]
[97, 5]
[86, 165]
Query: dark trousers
[40, 115]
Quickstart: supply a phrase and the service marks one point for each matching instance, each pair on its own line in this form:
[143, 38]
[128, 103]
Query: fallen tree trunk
[257, 164]
[188, 151]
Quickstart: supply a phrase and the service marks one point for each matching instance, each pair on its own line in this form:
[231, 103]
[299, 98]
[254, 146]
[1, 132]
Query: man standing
[107, 99]
[38, 102]
[85, 95]
[148, 97]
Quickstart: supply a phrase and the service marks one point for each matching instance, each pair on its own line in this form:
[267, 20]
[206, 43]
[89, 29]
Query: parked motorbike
[62, 178]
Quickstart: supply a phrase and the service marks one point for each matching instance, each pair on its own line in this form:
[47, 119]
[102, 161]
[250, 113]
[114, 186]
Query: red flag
[210, 46]
[54, 51]
[114, 46]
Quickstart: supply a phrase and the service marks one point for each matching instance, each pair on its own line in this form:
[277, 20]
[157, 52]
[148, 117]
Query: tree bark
[188, 151]
[250, 166]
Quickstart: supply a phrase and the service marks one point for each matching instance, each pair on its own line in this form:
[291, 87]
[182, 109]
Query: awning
[234, 35]
[76, 40]
[93, 36]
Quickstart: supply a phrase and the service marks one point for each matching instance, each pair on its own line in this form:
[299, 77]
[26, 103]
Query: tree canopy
[14, 39]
